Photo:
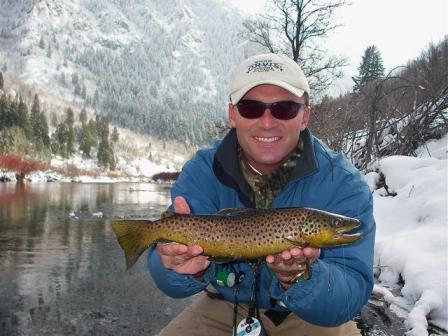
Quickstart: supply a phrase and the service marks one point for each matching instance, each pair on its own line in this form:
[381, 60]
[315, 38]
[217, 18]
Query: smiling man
[269, 159]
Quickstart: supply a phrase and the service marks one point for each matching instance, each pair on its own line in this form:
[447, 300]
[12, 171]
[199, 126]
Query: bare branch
[300, 25]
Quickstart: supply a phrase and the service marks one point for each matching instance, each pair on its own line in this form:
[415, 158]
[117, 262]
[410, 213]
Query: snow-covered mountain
[157, 66]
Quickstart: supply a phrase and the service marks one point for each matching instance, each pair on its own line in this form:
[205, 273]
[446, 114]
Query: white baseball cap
[273, 69]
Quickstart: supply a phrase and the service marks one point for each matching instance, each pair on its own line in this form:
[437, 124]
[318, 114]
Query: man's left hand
[289, 263]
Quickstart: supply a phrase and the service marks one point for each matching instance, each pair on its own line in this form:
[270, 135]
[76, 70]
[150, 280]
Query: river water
[63, 273]
[61, 269]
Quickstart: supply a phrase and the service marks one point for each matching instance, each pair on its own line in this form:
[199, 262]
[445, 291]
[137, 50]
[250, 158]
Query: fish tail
[134, 237]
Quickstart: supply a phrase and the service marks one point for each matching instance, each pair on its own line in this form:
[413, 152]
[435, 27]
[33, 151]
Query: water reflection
[61, 270]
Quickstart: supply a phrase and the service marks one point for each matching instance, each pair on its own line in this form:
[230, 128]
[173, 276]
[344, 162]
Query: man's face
[266, 141]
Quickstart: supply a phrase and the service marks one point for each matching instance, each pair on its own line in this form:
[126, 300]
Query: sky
[401, 29]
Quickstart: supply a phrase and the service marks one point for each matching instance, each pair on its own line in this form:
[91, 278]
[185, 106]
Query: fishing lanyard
[251, 325]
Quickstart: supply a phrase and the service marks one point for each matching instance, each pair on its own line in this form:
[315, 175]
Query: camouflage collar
[227, 168]
[266, 187]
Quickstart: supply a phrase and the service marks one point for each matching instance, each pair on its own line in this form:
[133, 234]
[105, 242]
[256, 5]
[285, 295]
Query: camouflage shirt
[266, 187]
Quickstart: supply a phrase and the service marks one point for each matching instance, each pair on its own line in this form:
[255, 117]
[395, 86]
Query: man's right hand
[181, 258]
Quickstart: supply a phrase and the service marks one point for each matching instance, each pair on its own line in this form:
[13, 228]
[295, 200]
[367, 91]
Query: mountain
[155, 66]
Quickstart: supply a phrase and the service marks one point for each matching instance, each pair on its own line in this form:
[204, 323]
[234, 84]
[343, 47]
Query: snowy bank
[411, 241]
[82, 170]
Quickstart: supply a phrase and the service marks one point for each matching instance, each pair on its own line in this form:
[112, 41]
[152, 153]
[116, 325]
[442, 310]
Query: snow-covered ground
[411, 241]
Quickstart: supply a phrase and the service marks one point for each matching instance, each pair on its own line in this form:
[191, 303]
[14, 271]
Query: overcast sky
[400, 29]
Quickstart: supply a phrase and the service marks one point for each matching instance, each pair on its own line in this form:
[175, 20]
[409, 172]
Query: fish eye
[337, 222]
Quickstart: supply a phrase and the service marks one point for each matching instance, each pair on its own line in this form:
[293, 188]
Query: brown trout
[238, 234]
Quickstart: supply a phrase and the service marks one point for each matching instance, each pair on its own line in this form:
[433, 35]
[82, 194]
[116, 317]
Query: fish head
[324, 229]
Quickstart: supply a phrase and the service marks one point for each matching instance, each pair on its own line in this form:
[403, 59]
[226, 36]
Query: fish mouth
[342, 235]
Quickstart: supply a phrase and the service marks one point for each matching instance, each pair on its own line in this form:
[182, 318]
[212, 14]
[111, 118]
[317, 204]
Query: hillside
[146, 65]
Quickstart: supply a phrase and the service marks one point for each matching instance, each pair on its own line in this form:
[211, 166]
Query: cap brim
[237, 95]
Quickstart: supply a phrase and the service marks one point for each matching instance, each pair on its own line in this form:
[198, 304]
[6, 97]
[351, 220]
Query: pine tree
[43, 124]
[24, 119]
[59, 140]
[1, 81]
[70, 122]
[3, 108]
[115, 135]
[87, 138]
[83, 91]
[39, 125]
[371, 68]
[105, 153]
[34, 121]
[83, 117]
[42, 43]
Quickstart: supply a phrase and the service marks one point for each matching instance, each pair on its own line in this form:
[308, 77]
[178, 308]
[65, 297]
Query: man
[269, 159]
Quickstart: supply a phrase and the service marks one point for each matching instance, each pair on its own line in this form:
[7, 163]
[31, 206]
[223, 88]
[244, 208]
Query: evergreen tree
[4, 111]
[34, 121]
[44, 130]
[87, 137]
[39, 125]
[1, 81]
[77, 90]
[59, 140]
[371, 68]
[24, 119]
[3, 107]
[83, 91]
[83, 117]
[54, 120]
[13, 113]
[75, 78]
[70, 122]
[105, 152]
[92, 131]
[41, 43]
[115, 135]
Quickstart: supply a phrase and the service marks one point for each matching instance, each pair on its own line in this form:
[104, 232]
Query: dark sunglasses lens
[251, 109]
[285, 110]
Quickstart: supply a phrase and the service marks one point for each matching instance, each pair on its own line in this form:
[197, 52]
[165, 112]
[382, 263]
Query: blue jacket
[342, 278]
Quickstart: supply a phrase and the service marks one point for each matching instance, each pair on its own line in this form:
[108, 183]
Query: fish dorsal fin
[236, 211]
[166, 214]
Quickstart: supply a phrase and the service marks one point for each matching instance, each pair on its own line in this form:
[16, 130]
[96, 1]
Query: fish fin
[166, 214]
[133, 237]
[163, 241]
[236, 211]
[220, 260]
[299, 243]
[307, 272]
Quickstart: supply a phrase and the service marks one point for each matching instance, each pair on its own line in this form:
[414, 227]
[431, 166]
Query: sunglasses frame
[281, 114]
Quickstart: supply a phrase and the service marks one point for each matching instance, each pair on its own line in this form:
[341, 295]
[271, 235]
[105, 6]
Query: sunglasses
[283, 110]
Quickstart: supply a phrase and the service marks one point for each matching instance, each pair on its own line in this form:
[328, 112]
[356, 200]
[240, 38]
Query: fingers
[181, 258]
[312, 254]
[181, 205]
[179, 250]
[293, 260]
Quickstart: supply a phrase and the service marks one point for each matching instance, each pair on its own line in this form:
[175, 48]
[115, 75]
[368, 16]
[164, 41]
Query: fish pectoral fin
[299, 243]
[220, 260]
[163, 241]
[166, 214]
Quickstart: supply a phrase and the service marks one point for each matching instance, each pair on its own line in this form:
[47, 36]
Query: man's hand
[181, 258]
[288, 264]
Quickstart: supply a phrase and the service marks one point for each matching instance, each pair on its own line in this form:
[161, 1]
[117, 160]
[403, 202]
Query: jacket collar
[228, 171]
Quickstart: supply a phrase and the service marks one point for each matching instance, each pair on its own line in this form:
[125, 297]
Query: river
[61, 269]
[63, 273]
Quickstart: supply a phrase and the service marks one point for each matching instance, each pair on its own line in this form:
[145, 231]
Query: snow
[411, 240]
